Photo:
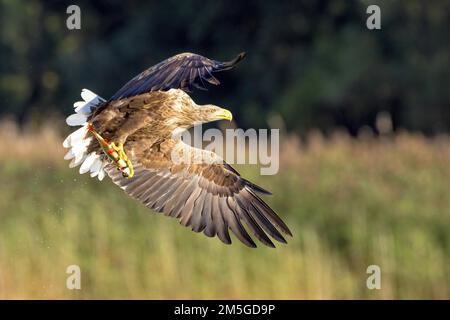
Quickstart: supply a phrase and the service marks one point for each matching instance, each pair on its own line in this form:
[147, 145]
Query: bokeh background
[364, 175]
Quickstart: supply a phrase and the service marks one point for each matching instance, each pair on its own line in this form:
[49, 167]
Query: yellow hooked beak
[223, 114]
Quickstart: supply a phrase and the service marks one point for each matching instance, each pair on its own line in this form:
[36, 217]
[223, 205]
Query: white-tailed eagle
[130, 137]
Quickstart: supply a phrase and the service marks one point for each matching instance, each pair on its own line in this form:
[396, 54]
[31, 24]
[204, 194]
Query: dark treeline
[314, 63]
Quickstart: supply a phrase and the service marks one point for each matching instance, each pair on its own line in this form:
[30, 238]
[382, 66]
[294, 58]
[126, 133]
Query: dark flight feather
[205, 197]
[184, 71]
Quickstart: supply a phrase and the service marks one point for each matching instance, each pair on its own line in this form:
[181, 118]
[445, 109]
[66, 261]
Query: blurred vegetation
[313, 62]
[311, 65]
[350, 203]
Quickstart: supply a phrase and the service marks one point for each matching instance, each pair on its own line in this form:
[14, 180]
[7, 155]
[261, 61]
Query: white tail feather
[95, 167]
[101, 173]
[78, 141]
[86, 166]
[76, 119]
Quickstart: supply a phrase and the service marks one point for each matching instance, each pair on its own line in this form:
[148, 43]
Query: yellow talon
[116, 153]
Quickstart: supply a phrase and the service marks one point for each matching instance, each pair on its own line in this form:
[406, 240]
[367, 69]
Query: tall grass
[350, 203]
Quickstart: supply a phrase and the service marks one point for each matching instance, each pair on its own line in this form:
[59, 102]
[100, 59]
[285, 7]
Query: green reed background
[349, 202]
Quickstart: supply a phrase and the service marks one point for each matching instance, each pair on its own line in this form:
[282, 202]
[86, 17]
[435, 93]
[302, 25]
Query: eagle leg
[115, 152]
[122, 161]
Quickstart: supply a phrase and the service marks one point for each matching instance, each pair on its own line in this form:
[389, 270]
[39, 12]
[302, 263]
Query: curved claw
[122, 160]
[116, 153]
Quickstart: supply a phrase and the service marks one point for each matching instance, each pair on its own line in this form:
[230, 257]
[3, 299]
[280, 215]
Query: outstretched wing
[183, 71]
[212, 198]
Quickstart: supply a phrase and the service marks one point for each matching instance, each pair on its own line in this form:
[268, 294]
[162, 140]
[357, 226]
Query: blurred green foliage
[313, 62]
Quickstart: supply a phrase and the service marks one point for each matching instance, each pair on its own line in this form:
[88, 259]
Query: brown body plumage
[208, 196]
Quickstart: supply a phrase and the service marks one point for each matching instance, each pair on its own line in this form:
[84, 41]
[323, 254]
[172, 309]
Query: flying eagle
[130, 137]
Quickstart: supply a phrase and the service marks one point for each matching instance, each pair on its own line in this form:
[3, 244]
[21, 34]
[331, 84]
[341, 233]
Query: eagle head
[210, 112]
